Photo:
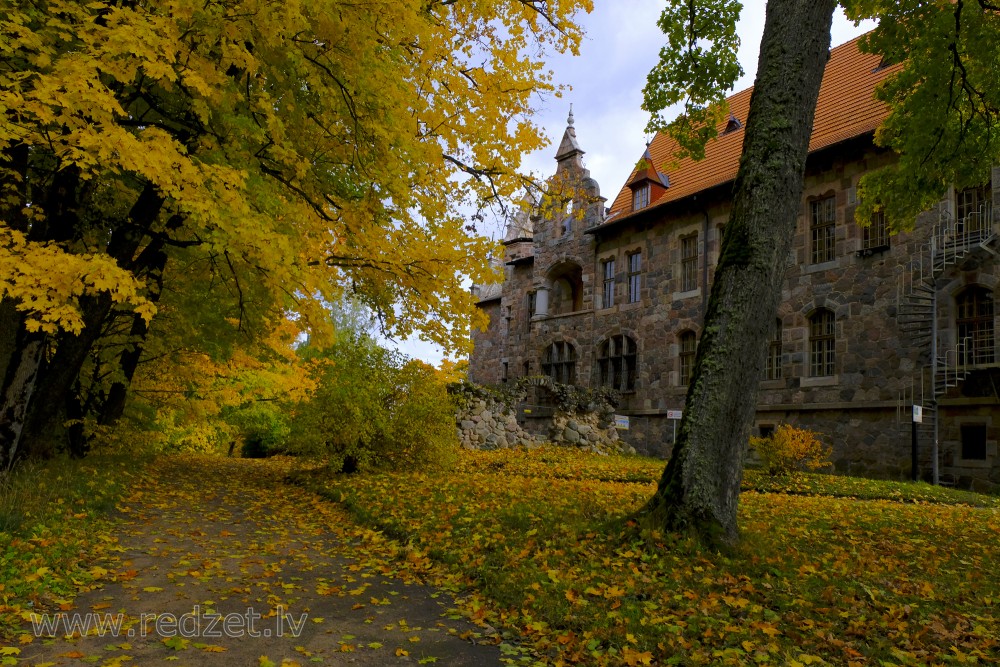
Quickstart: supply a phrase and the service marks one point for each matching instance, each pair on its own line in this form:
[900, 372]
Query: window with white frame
[635, 276]
[688, 347]
[773, 370]
[608, 286]
[822, 228]
[689, 263]
[974, 324]
[822, 343]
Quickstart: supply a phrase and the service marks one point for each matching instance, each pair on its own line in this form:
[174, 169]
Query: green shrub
[790, 449]
[374, 408]
[263, 427]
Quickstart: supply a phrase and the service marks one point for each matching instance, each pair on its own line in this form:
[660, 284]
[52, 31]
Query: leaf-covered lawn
[213, 561]
[544, 537]
[55, 532]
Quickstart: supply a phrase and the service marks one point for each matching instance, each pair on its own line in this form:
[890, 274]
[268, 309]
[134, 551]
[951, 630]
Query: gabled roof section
[846, 108]
[646, 171]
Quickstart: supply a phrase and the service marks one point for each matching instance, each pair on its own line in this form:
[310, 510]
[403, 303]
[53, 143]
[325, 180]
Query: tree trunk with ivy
[700, 486]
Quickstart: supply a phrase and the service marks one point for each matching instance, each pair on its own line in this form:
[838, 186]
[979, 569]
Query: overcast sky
[606, 81]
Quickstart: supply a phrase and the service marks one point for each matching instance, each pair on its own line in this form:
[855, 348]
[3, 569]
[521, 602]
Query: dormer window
[640, 197]
[733, 124]
[647, 183]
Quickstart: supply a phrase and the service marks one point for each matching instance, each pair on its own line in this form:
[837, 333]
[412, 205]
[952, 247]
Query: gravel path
[223, 564]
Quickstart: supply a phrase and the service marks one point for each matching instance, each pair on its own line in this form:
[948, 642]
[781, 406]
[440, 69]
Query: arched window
[688, 346]
[822, 343]
[616, 363]
[559, 362]
[974, 320]
[774, 354]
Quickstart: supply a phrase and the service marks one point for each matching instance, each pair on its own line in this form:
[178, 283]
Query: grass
[54, 525]
[830, 570]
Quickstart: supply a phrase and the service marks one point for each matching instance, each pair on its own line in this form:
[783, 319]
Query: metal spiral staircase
[952, 241]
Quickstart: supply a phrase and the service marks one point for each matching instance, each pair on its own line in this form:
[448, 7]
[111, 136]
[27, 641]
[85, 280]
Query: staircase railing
[951, 240]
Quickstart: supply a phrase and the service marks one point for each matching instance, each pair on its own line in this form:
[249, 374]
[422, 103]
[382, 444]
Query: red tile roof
[846, 108]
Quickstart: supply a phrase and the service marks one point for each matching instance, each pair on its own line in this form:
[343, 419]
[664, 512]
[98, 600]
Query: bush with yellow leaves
[790, 449]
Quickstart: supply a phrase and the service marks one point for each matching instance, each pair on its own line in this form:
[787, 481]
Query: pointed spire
[568, 147]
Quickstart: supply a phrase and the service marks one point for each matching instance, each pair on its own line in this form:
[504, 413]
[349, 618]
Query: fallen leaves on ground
[545, 539]
[218, 561]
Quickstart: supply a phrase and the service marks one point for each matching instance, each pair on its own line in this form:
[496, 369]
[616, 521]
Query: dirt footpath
[222, 564]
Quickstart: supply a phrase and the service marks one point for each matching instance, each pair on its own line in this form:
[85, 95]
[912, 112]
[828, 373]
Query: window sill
[824, 381]
[678, 296]
[539, 318]
[872, 251]
[822, 266]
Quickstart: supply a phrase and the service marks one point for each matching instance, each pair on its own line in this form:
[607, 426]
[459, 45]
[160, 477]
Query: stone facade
[486, 420]
[488, 424]
[848, 357]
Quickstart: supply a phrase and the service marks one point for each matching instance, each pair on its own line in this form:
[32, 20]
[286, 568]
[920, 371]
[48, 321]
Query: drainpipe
[935, 477]
[704, 266]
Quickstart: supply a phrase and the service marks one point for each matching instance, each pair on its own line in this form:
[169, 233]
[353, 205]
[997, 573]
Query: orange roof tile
[846, 108]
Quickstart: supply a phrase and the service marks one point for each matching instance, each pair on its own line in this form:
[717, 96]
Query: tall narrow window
[616, 363]
[531, 309]
[973, 201]
[822, 343]
[559, 362]
[822, 228]
[634, 276]
[608, 293]
[689, 263]
[876, 235]
[974, 212]
[774, 354]
[975, 326]
[640, 197]
[688, 346]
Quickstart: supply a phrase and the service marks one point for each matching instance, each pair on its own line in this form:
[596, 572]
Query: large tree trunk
[32, 414]
[114, 405]
[18, 387]
[45, 415]
[700, 486]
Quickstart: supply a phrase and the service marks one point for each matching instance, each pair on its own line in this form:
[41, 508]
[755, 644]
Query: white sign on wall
[621, 422]
[918, 414]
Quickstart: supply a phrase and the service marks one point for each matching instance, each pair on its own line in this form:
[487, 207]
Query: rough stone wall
[485, 422]
[875, 363]
[587, 432]
[487, 345]
[488, 424]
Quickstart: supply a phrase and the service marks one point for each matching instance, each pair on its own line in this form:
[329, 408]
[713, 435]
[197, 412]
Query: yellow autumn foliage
[47, 282]
[790, 448]
[318, 146]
